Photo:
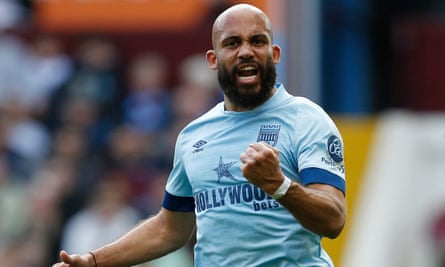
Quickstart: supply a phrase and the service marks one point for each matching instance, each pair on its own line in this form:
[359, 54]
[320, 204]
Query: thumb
[65, 257]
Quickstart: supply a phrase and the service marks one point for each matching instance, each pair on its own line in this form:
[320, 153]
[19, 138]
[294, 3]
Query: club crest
[269, 134]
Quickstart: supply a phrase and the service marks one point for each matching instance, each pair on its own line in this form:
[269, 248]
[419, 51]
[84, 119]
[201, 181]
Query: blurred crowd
[86, 143]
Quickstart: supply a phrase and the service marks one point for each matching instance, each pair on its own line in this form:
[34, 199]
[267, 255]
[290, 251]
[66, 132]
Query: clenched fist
[261, 166]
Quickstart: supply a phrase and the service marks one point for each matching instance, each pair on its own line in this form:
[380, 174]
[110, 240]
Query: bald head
[238, 13]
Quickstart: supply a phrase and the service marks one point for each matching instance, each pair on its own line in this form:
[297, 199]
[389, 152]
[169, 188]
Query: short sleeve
[178, 188]
[320, 151]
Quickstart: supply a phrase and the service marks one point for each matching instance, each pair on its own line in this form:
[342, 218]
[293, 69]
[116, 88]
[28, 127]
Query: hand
[261, 166]
[74, 260]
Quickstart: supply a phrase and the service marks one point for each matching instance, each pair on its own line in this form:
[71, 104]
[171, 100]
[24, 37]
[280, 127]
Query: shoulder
[311, 109]
[304, 109]
[310, 116]
[306, 105]
[202, 121]
[298, 104]
[210, 115]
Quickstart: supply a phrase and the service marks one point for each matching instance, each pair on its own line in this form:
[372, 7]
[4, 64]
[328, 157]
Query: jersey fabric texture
[238, 224]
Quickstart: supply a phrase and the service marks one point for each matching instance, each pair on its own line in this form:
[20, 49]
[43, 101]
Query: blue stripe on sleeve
[321, 176]
[175, 203]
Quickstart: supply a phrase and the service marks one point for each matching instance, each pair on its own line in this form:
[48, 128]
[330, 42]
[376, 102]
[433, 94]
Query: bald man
[260, 175]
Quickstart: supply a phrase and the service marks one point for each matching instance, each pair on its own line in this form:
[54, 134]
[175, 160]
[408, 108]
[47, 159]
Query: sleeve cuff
[176, 203]
[321, 176]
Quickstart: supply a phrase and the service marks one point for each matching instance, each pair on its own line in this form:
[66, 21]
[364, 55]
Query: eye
[259, 40]
[231, 43]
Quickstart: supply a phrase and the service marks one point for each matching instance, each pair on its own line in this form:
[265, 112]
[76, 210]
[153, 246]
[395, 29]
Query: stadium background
[375, 66]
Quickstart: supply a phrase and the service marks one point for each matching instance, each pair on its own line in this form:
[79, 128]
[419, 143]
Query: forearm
[319, 208]
[151, 239]
[132, 248]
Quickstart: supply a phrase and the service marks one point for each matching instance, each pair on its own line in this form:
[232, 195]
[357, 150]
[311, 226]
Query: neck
[231, 106]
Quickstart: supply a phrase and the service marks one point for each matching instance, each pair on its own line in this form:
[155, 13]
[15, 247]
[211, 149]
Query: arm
[318, 207]
[155, 237]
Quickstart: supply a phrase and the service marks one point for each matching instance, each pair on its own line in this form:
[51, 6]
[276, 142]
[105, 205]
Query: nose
[245, 51]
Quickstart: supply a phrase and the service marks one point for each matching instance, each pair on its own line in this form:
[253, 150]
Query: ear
[211, 59]
[276, 53]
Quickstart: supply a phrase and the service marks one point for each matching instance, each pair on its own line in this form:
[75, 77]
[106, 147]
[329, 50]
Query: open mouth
[247, 71]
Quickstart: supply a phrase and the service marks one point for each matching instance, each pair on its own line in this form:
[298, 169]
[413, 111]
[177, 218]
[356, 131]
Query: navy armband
[177, 203]
[321, 176]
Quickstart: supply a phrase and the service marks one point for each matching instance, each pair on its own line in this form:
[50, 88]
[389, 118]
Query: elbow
[175, 241]
[333, 233]
[180, 242]
[335, 228]
[330, 229]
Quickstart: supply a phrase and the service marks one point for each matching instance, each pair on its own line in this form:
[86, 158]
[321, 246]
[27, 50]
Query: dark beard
[245, 100]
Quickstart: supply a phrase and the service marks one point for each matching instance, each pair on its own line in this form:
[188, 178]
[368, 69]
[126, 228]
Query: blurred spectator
[14, 53]
[30, 140]
[198, 89]
[47, 68]
[30, 72]
[69, 144]
[12, 13]
[24, 137]
[31, 216]
[94, 82]
[84, 115]
[147, 105]
[13, 208]
[128, 153]
[15, 164]
[107, 216]
[49, 186]
[70, 150]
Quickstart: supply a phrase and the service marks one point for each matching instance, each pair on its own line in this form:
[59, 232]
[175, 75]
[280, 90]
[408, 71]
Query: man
[231, 168]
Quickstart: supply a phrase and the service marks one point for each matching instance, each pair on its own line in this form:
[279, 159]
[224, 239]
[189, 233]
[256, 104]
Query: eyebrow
[260, 35]
[257, 35]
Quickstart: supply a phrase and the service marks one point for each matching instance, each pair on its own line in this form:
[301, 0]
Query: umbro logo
[198, 146]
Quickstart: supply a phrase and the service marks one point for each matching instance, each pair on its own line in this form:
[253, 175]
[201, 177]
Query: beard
[227, 81]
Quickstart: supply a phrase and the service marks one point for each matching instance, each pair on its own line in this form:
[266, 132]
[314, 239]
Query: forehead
[242, 24]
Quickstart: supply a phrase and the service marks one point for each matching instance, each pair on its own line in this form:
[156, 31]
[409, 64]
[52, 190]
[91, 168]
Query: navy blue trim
[321, 176]
[175, 203]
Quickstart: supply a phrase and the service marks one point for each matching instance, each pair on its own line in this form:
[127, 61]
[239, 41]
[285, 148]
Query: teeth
[246, 77]
[247, 68]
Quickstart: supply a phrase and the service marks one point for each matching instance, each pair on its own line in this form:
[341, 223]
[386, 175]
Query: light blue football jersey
[238, 224]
